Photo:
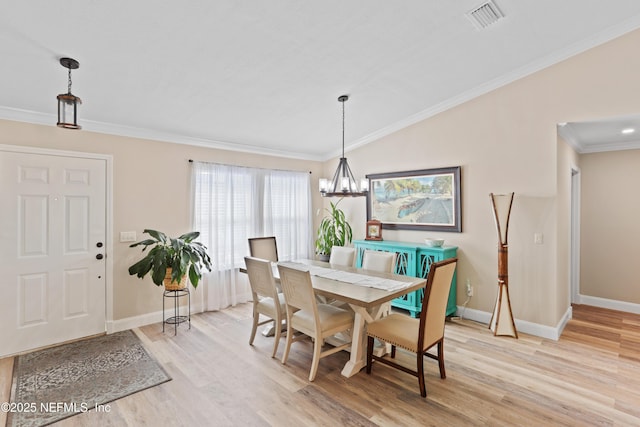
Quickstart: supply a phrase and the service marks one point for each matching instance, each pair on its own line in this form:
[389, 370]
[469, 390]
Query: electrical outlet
[469, 289]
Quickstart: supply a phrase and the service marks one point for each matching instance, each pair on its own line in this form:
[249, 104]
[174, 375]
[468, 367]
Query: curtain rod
[248, 167]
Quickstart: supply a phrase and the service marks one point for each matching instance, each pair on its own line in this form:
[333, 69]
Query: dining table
[367, 292]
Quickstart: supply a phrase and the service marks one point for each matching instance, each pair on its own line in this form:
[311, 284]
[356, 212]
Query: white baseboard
[473, 314]
[543, 331]
[628, 307]
[197, 306]
[133, 322]
[568, 315]
[143, 320]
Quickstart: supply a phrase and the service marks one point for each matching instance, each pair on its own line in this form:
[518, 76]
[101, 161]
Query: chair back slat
[297, 288]
[261, 277]
[434, 303]
[264, 248]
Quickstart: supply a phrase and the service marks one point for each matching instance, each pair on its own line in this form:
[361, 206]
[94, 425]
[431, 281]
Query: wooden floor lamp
[502, 319]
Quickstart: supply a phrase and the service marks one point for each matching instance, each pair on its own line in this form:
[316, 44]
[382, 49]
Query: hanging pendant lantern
[343, 183]
[67, 102]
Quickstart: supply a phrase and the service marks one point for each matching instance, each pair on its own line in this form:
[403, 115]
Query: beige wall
[151, 182]
[610, 209]
[505, 141]
[568, 160]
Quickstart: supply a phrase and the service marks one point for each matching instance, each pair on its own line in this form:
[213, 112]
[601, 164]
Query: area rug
[58, 382]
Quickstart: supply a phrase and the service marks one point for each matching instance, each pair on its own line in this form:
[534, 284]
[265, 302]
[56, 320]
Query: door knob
[99, 244]
[99, 256]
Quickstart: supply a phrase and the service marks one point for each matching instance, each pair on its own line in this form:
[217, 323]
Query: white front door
[52, 266]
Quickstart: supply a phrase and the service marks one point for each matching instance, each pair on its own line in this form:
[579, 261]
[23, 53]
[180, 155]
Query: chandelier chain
[342, 128]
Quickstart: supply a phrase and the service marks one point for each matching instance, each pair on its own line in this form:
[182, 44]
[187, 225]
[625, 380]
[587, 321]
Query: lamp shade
[501, 211]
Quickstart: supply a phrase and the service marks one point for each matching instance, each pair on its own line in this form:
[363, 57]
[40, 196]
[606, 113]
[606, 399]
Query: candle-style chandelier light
[343, 183]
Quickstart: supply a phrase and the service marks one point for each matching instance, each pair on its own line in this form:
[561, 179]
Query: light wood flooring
[591, 376]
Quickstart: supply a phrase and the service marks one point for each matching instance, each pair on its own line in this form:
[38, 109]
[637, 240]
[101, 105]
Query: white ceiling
[264, 76]
[617, 133]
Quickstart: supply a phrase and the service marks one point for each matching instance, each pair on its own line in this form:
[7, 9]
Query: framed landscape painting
[427, 199]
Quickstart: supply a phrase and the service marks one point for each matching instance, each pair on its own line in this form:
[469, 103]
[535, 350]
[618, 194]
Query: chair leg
[443, 374]
[317, 348]
[370, 343]
[277, 324]
[420, 374]
[254, 328]
[393, 351]
[288, 345]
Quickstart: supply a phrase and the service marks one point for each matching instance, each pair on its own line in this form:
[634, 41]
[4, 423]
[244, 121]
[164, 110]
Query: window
[233, 203]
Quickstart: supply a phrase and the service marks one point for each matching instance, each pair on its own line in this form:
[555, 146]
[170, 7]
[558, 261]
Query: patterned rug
[60, 382]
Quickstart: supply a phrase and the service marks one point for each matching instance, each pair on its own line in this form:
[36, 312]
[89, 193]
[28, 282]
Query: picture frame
[426, 199]
[374, 230]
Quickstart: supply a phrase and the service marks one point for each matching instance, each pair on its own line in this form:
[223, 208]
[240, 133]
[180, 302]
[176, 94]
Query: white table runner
[348, 277]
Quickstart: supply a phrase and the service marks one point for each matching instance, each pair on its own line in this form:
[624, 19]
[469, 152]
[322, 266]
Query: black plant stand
[176, 319]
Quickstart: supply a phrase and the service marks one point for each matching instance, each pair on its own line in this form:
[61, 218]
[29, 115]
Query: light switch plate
[127, 236]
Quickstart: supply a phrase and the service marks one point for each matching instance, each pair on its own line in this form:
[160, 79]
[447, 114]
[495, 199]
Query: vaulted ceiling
[264, 75]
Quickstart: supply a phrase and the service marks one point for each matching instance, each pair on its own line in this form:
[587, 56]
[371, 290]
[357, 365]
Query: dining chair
[306, 315]
[379, 261]
[264, 248]
[341, 255]
[266, 298]
[417, 335]
[384, 262]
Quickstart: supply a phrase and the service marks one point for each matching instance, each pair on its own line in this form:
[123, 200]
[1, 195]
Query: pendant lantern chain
[69, 83]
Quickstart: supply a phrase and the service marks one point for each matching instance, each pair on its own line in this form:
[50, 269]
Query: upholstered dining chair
[341, 255]
[266, 298]
[417, 335]
[264, 248]
[306, 315]
[379, 261]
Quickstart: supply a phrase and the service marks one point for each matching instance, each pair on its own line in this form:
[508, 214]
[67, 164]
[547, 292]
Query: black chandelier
[67, 102]
[343, 184]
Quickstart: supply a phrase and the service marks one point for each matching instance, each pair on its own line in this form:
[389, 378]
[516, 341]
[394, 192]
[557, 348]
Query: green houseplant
[334, 230]
[171, 259]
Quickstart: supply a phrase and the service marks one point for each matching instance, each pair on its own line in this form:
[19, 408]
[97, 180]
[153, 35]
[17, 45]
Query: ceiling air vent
[485, 15]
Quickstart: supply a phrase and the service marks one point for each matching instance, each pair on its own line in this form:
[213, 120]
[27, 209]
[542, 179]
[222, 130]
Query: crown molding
[566, 132]
[34, 117]
[610, 146]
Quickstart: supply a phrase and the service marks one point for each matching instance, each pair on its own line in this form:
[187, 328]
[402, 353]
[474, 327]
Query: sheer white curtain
[233, 203]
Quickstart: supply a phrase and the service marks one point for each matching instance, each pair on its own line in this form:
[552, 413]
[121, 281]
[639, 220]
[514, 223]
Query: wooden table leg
[357, 359]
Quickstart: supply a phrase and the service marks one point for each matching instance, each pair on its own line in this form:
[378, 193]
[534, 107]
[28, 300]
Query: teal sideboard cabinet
[412, 260]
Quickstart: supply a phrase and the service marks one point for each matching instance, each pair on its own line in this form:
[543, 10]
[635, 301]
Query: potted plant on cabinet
[334, 230]
[171, 260]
